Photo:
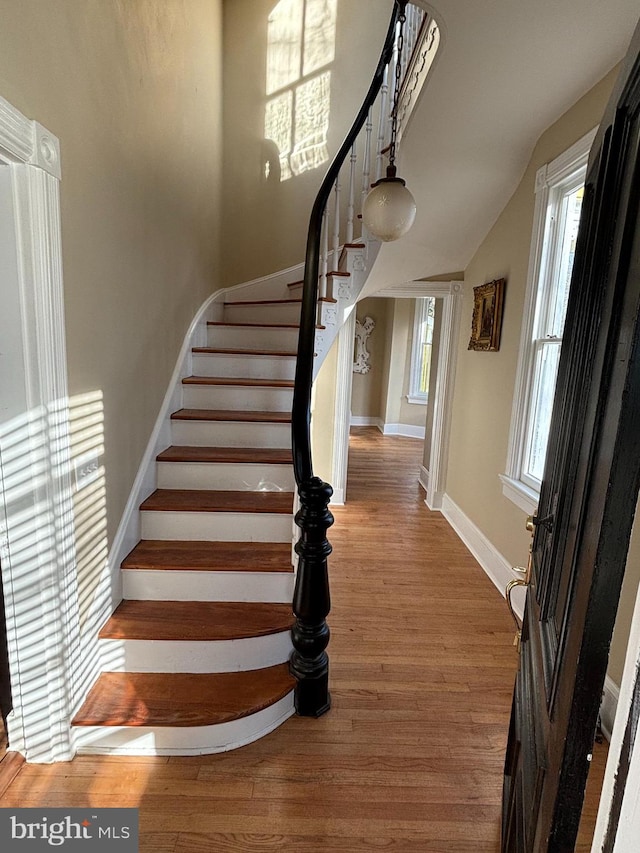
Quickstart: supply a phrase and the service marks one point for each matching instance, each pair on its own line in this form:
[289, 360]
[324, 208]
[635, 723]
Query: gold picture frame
[487, 316]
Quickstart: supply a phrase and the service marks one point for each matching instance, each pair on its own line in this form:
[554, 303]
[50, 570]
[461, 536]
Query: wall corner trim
[28, 142]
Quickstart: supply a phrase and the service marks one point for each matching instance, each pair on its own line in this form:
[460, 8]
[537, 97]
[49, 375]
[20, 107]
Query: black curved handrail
[301, 411]
[311, 601]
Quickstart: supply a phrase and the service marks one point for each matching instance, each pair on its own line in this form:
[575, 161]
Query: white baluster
[366, 165]
[324, 252]
[352, 190]
[336, 227]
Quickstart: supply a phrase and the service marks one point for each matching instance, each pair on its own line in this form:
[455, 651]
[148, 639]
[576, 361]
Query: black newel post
[311, 601]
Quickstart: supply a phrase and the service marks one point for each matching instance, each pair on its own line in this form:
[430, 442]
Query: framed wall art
[487, 316]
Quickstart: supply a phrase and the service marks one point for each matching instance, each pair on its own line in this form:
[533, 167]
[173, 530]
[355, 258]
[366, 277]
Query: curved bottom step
[194, 740]
[133, 713]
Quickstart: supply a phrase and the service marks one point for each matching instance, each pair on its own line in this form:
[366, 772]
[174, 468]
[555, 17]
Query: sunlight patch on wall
[53, 544]
[300, 45]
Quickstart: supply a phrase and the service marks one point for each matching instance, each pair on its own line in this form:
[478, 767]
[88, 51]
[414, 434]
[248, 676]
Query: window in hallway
[421, 351]
[559, 193]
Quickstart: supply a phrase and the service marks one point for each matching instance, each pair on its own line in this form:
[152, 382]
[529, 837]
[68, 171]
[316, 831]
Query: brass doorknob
[525, 580]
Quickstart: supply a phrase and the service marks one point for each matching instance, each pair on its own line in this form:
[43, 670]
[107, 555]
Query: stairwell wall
[266, 219]
[133, 92]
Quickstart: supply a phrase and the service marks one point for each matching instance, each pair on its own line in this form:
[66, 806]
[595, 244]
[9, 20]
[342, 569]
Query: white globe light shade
[389, 210]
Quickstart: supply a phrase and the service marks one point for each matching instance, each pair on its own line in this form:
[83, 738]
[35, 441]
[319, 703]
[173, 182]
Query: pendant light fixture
[389, 209]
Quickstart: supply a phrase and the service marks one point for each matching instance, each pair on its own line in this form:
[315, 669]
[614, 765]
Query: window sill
[416, 401]
[522, 496]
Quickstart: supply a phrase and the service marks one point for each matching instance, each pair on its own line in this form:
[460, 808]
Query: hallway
[409, 758]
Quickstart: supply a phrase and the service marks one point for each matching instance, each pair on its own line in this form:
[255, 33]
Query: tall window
[559, 191]
[421, 351]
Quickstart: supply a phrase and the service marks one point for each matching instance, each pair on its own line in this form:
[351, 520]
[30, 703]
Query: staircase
[202, 639]
[206, 651]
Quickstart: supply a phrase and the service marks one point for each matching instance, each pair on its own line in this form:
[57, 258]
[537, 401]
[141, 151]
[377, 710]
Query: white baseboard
[494, 564]
[337, 498]
[424, 479]
[610, 696]
[406, 430]
[361, 420]
[500, 573]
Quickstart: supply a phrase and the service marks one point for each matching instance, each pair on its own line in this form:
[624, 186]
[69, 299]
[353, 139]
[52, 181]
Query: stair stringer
[357, 260]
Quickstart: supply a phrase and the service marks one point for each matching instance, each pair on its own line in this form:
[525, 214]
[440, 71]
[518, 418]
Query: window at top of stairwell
[300, 45]
[557, 214]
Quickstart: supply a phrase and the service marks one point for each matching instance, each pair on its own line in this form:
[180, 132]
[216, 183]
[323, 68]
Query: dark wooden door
[587, 501]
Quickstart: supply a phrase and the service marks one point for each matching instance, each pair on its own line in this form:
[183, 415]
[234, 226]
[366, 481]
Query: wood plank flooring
[409, 758]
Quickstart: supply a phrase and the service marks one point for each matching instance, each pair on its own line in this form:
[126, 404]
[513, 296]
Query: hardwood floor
[409, 758]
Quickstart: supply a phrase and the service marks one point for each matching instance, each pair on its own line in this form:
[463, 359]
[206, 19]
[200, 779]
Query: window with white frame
[421, 351]
[559, 191]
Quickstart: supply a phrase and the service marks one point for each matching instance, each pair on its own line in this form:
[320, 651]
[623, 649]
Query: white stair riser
[152, 585]
[248, 477]
[237, 398]
[196, 655]
[182, 740]
[230, 434]
[277, 312]
[252, 338]
[243, 366]
[217, 526]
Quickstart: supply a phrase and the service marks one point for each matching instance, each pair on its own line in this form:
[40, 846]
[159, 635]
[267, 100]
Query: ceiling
[505, 71]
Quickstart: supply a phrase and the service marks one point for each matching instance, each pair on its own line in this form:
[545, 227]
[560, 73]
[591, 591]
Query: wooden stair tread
[240, 455]
[210, 500]
[266, 302]
[260, 325]
[196, 620]
[181, 699]
[235, 381]
[232, 415]
[250, 352]
[198, 556]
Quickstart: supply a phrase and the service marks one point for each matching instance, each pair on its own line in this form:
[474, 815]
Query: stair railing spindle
[336, 227]
[353, 159]
[366, 165]
[324, 253]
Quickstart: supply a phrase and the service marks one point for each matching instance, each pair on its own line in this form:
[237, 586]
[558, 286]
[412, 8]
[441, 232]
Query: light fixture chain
[396, 92]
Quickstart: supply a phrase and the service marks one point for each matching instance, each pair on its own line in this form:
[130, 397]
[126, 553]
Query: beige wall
[382, 393]
[366, 393]
[265, 222]
[133, 92]
[485, 381]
